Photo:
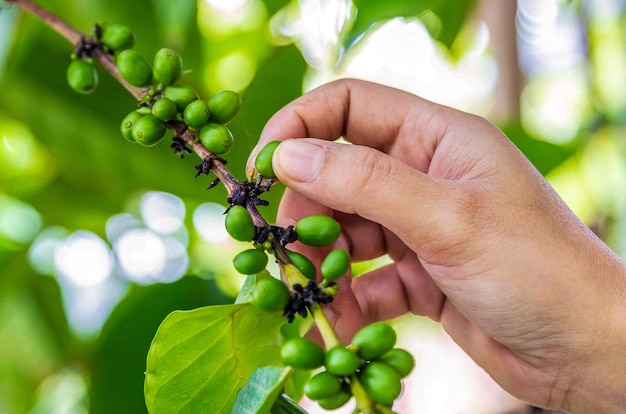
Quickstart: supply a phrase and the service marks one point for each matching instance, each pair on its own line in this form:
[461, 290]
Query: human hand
[479, 240]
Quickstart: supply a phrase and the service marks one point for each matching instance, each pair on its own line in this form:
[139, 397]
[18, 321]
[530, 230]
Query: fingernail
[299, 160]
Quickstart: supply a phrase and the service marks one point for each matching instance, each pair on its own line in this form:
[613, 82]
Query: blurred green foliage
[62, 157]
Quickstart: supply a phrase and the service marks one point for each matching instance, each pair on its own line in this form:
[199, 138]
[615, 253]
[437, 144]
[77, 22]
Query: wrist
[599, 379]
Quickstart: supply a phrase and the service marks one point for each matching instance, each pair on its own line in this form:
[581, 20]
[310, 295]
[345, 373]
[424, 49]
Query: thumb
[360, 180]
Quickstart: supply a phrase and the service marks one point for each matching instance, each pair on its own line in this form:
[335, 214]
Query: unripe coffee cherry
[335, 401]
[239, 224]
[250, 262]
[196, 113]
[148, 130]
[317, 230]
[117, 37]
[335, 265]
[304, 265]
[302, 353]
[322, 385]
[263, 160]
[374, 340]
[224, 106]
[341, 361]
[127, 125]
[82, 76]
[270, 294]
[217, 138]
[164, 109]
[167, 66]
[181, 94]
[381, 382]
[400, 360]
[134, 68]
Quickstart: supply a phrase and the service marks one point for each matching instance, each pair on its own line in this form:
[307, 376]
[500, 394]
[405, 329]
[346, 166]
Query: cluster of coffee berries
[167, 100]
[81, 73]
[315, 230]
[371, 361]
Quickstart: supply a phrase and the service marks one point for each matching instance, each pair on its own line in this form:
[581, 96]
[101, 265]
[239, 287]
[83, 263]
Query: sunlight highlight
[402, 54]
[208, 221]
[141, 255]
[84, 259]
[162, 212]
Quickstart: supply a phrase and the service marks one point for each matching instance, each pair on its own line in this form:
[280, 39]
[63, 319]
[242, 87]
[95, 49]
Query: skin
[480, 241]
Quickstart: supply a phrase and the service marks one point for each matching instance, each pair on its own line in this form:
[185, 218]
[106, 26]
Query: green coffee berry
[134, 68]
[400, 360]
[224, 106]
[341, 361]
[322, 385]
[317, 230]
[374, 340]
[303, 264]
[164, 109]
[196, 113]
[82, 76]
[217, 138]
[335, 265]
[117, 37]
[181, 94]
[250, 262]
[381, 382]
[167, 66]
[148, 130]
[335, 401]
[270, 294]
[263, 160]
[127, 125]
[239, 224]
[302, 353]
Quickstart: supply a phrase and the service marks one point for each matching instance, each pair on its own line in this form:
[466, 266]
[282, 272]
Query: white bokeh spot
[84, 259]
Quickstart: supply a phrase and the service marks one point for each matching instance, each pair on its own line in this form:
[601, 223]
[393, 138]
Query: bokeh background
[101, 239]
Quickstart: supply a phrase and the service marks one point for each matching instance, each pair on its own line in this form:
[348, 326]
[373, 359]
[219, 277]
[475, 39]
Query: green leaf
[119, 354]
[263, 387]
[199, 359]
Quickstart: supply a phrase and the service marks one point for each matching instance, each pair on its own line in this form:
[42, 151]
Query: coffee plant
[249, 356]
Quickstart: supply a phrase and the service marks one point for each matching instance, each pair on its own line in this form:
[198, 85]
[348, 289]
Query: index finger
[363, 113]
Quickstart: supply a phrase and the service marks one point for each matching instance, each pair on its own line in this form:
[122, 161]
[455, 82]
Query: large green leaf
[451, 15]
[119, 354]
[199, 359]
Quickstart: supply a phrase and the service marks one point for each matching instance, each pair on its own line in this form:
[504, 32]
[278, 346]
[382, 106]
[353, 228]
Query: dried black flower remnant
[302, 298]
